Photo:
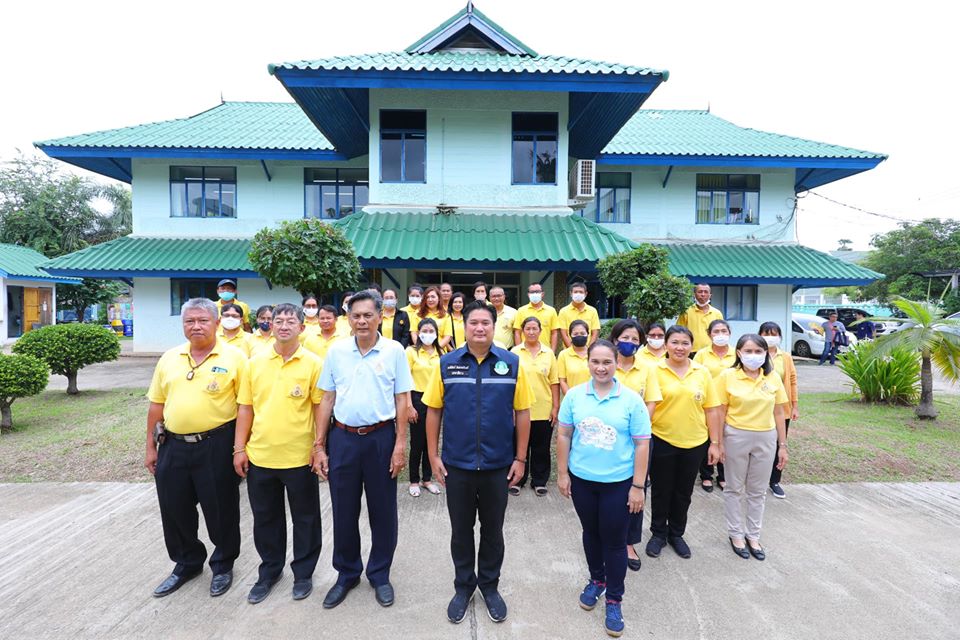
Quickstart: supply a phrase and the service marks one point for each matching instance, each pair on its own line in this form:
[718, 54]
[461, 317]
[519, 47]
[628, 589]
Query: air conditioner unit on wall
[583, 178]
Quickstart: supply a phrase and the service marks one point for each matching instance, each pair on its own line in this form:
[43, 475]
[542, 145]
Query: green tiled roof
[230, 125]
[465, 61]
[24, 262]
[758, 263]
[144, 256]
[700, 133]
[476, 12]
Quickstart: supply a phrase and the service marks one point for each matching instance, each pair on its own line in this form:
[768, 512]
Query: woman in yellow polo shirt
[430, 307]
[231, 328]
[680, 440]
[717, 358]
[656, 349]
[262, 336]
[540, 365]
[453, 338]
[572, 361]
[783, 365]
[424, 359]
[753, 405]
[311, 322]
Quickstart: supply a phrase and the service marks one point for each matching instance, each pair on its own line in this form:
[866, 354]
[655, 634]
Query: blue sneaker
[614, 621]
[591, 593]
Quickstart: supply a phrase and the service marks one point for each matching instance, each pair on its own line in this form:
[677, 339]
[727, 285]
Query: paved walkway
[845, 561]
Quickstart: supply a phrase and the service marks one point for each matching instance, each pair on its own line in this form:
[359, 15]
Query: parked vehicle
[808, 339]
[848, 315]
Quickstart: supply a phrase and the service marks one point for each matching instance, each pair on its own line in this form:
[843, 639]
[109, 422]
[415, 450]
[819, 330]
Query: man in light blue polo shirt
[366, 383]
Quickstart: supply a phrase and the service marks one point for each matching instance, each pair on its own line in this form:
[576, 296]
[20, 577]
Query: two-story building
[458, 159]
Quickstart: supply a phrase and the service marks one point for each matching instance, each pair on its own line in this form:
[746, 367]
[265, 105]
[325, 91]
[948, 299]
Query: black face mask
[579, 341]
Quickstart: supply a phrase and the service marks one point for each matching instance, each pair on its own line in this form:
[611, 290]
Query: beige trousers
[749, 457]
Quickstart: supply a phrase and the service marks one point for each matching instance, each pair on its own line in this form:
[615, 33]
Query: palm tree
[937, 339]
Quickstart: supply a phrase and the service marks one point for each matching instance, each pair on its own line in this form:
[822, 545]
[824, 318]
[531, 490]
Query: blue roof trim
[52, 279]
[499, 265]
[801, 282]
[121, 273]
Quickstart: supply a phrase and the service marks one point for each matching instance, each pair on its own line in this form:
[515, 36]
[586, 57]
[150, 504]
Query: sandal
[433, 488]
[415, 490]
[540, 491]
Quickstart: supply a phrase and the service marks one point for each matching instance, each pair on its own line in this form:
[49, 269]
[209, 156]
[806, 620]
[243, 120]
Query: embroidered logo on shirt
[766, 388]
[594, 432]
[501, 368]
[213, 387]
[297, 392]
[698, 396]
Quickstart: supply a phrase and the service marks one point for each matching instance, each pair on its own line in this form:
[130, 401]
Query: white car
[808, 340]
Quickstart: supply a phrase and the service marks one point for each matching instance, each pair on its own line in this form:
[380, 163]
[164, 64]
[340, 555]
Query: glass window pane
[391, 146]
[222, 174]
[228, 199]
[711, 181]
[328, 200]
[361, 196]
[353, 176]
[748, 303]
[194, 199]
[320, 175]
[346, 200]
[606, 200]
[736, 181]
[753, 182]
[311, 200]
[736, 207]
[751, 208]
[186, 173]
[622, 205]
[522, 159]
[703, 207]
[718, 299]
[546, 160]
[719, 207]
[416, 120]
[211, 202]
[178, 199]
[613, 180]
[414, 157]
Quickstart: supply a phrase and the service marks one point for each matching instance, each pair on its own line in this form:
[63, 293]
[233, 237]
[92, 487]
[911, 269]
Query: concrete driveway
[845, 561]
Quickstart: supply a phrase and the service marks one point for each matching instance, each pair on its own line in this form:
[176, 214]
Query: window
[736, 302]
[183, 290]
[534, 148]
[613, 198]
[334, 193]
[728, 199]
[403, 146]
[203, 192]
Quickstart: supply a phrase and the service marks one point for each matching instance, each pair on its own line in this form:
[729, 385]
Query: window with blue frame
[728, 199]
[535, 148]
[612, 203]
[737, 302]
[403, 146]
[183, 289]
[203, 192]
[333, 193]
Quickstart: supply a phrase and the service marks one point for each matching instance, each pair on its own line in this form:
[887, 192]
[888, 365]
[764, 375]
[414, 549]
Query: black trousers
[266, 488]
[602, 509]
[538, 454]
[201, 473]
[635, 531]
[419, 460]
[672, 473]
[706, 470]
[469, 494]
[360, 465]
[776, 474]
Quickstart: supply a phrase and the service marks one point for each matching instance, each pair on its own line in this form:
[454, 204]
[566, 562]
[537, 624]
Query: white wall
[469, 140]
[5, 312]
[671, 212]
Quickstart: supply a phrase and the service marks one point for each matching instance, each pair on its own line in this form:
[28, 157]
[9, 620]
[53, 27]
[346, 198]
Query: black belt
[362, 431]
[203, 435]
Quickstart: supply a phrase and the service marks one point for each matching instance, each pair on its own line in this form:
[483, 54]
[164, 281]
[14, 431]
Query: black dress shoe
[384, 594]
[496, 607]
[740, 551]
[655, 546]
[220, 583]
[261, 590]
[457, 608]
[707, 487]
[338, 593]
[302, 588]
[174, 582]
[680, 546]
[633, 563]
[757, 552]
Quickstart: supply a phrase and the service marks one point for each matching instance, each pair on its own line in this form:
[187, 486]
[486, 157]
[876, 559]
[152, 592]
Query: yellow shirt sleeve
[553, 377]
[433, 395]
[522, 394]
[780, 396]
[594, 320]
[699, 356]
[245, 388]
[316, 393]
[562, 365]
[651, 390]
[713, 398]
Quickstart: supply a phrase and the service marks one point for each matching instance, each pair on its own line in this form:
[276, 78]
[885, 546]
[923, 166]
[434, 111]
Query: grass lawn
[98, 436]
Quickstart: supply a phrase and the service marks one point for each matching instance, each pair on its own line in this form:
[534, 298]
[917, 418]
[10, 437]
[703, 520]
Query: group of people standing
[310, 394]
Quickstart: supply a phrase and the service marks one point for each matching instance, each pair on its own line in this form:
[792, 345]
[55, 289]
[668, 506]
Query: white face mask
[721, 340]
[772, 341]
[655, 343]
[705, 304]
[535, 298]
[390, 304]
[229, 323]
[428, 338]
[415, 300]
[480, 297]
[311, 312]
[578, 297]
[753, 361]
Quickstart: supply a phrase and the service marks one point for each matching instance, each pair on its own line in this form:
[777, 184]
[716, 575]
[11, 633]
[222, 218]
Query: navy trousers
[201, 473]
[603, 512]
[360, 464]
[472, 494]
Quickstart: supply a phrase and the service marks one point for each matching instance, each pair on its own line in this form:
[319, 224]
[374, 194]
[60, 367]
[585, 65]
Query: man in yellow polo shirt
[503, 331]
[319, 343]
[273, 449]
[698, 317]
[190, 428]
[543, 312]
[578, 309]
[227, 292]
[231, 328]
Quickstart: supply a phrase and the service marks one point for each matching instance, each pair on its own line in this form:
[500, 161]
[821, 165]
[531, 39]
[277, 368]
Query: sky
[869, 75]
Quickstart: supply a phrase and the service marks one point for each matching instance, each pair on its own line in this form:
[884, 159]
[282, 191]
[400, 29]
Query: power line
[855, 208]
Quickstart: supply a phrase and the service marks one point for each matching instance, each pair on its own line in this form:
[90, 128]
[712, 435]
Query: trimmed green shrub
[893, 378]
[67, 348]
[20, 376]
[606, 326]
[642, 278]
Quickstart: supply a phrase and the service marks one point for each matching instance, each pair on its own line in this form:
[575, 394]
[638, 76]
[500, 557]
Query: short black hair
[523, 324]
[329, 308]
[770, 328]
[479, 306]
[602, 343]
[228, 306]
[623, 325]
[581, 323]
[578, 284]
[288, 308]
[360, 296]
[308, 297]
[480, 283]
[263, 308]
[375, 286]
[416, 286]
[716, 323]
[678, 328]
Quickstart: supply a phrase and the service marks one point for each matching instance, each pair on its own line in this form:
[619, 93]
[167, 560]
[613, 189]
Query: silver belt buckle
[192, 438]
[362, 431]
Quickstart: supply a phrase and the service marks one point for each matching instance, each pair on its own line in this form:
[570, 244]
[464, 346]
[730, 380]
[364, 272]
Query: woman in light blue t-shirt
[602, 444]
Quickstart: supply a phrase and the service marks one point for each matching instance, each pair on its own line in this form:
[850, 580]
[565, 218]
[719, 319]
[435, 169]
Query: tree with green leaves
[844, 244]
[67, 348]
[88, 293]
[904, 254]
[643, 279]
[309, 255]
[924, 330]
[20, 376]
